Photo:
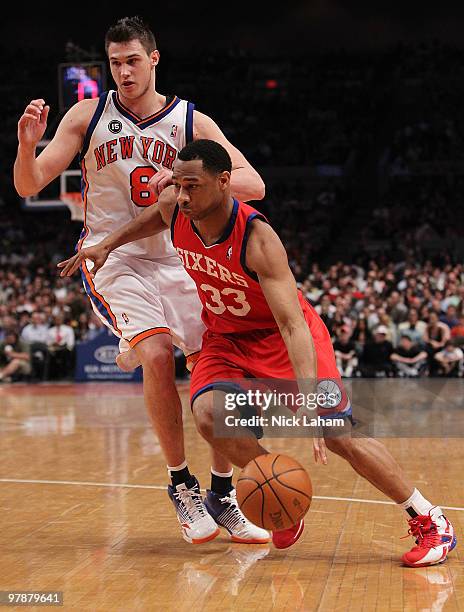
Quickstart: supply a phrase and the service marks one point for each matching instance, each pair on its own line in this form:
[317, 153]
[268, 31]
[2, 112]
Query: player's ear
[224, 180]
[155, 57]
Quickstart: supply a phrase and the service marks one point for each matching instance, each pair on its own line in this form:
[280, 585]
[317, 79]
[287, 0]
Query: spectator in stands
[345, 352]
[60, 344]
[413, 327]
[36, 331]
[15, 357]
[409, 359]
[396, 307]
[449, 360]
[375, 358]
[435, 336]
[450, 318]
[385, 321]
[88, 326]
[361, 334]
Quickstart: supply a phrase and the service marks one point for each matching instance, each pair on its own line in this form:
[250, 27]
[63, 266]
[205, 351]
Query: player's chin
[188, 212]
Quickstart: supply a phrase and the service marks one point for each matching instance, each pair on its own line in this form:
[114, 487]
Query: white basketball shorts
[137, 298]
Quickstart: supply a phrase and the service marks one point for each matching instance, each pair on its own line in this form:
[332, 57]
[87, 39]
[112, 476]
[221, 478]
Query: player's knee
[157, 355]
[203, 415]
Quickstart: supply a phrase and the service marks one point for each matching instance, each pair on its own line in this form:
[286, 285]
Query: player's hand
[98, 254]
[160, 180]
[33, 123]
[320, 451]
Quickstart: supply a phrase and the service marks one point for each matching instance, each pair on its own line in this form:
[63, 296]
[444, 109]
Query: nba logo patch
[125, 318]
[229, 253]
[174, 131]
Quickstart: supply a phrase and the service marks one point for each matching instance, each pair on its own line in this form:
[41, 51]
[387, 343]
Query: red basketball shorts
[262, 354]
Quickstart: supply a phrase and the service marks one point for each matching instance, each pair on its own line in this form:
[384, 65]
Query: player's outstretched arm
[31, 173]
[152, 220]
[246, 184]
[267, 257]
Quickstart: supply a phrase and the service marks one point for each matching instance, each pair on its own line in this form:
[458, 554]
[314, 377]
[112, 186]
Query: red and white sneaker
[287, 537]
[434, 537]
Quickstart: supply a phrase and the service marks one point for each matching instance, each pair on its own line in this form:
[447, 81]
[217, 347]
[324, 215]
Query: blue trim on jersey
[100, 307]
[173, 222]
[227, 232]
[189, 122]
[171, 103]
[246, 235]
[93, 124]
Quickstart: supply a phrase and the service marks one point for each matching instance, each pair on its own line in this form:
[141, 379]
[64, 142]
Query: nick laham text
[282, 421]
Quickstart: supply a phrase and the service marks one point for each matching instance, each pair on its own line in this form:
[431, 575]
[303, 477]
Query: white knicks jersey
[120, 154]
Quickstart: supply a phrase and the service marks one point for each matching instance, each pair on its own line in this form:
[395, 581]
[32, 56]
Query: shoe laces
[232, 516]
[192, 503]
[425, 531]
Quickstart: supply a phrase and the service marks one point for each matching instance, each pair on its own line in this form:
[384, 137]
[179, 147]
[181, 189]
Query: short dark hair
[131, 28]
[213, 155]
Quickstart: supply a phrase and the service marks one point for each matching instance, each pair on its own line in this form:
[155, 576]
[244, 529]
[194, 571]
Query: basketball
[274, 491]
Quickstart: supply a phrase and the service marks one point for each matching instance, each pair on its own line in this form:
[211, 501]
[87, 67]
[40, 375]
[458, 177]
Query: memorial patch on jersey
[115, 126]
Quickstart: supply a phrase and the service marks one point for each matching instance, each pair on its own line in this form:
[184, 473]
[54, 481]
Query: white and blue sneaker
[197, 524]
[225, 511]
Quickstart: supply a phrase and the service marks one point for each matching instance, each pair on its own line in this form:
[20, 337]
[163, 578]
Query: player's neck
[212, 227]
[144, 106]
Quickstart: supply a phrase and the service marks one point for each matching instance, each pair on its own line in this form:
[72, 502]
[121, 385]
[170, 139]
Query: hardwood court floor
[84, 510]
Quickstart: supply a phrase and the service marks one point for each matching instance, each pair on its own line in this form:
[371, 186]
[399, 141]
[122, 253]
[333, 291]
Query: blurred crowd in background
[363, 158]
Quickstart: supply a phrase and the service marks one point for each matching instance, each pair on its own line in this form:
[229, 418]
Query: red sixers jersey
[232, 298]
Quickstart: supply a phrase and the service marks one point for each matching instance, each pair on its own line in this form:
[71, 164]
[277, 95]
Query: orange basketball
[274, 491]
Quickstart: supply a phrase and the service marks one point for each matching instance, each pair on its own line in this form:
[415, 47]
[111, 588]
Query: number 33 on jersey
[232, 298]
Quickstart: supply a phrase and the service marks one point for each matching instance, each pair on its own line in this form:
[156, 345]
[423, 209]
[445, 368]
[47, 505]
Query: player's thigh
[125, 293]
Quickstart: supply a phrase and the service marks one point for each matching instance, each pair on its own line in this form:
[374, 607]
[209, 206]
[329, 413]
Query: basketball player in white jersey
[126, 139]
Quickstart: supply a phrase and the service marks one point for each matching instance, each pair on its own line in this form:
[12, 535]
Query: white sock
[223, 474]
[417, 505]
[177, 468]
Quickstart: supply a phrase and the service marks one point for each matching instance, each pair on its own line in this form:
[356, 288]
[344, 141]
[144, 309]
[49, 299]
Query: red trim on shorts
[147, 333]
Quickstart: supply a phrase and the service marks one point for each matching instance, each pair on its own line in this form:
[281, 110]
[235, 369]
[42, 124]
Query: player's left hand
[98, 254]
[320, 451]
[160, 180]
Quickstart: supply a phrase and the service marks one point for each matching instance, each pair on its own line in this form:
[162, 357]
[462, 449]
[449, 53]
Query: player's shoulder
[82, 112]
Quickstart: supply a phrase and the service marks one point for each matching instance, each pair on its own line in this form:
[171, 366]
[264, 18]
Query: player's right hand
[33, 123]
[320, 452]
[98, 254]
[160, 180]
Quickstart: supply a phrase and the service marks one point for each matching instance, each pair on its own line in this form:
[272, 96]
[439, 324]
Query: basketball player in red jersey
[259, 325]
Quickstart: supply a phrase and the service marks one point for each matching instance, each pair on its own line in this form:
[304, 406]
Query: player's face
[132, 68]
[198, 191]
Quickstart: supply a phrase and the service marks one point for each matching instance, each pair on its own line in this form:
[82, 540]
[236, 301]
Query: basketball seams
[288, 486]
[268, 482]
[258, 486]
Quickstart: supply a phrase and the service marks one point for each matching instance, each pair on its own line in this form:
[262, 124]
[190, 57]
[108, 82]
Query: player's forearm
[27, 174]
[301, 350]
[246, 184]
[148, 223]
